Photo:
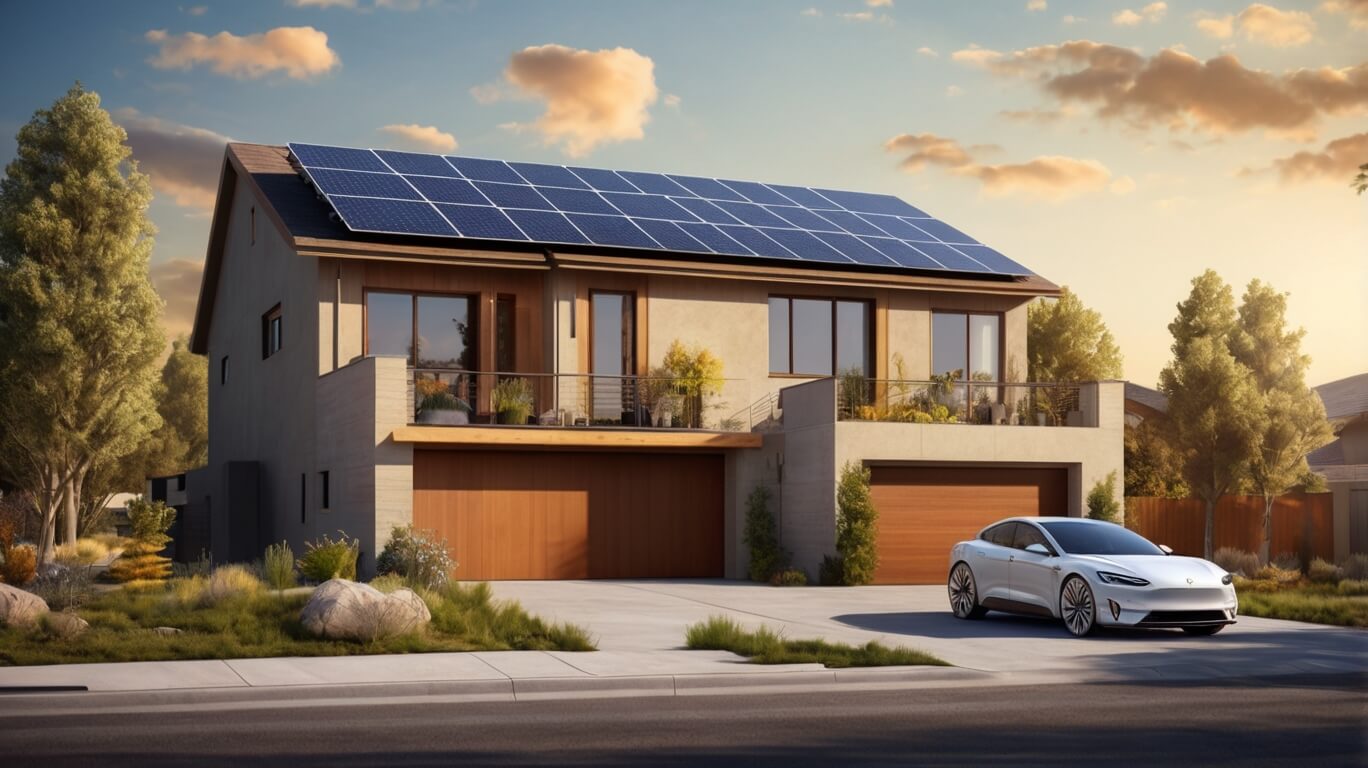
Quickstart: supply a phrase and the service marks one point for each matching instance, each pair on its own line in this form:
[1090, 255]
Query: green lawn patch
[764, 646]
[1316, 603]
[464, 618]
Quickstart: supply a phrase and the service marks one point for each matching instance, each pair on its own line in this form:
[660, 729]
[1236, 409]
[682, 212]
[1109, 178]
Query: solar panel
[410, 193]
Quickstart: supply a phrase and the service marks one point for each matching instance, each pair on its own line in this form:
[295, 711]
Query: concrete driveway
[650, 615]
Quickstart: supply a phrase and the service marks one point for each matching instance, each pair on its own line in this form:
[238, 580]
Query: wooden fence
[1303, 524]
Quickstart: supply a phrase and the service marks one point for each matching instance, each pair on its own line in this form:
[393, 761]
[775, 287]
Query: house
[1344, 462]
[1142, 403]
[365, 343]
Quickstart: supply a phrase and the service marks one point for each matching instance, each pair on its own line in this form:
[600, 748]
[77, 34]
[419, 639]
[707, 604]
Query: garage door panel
[924, 511]
[555, 515]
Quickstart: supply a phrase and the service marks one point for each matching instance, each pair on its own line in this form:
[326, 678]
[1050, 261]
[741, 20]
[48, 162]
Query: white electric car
[1088, 573]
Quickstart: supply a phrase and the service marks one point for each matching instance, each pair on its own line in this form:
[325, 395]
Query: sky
[1118, 148]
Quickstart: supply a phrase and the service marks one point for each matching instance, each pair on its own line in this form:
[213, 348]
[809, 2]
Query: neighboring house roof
[1345, 399]
[306, 223]
[1145, 401]
[1327, 455]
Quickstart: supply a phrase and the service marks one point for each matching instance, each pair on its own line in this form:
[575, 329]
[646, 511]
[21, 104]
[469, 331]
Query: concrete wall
[371, 476]
[264, 412]
[816, 447]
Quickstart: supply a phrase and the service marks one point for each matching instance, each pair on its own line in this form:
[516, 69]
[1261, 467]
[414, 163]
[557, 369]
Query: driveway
[650, 615]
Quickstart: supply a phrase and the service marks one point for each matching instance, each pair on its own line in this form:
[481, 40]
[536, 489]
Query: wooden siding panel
[924, 511]
[1303, 524]
[562, 515]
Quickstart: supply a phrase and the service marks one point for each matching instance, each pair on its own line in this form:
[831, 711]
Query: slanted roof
[1146, 401]
[307, 223]
[1345, 399]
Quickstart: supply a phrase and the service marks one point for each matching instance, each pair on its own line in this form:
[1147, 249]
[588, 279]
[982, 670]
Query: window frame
[968, 341]
[324, 491]
[871, 329]
[473, 311]
[272, 332]
[629, 302]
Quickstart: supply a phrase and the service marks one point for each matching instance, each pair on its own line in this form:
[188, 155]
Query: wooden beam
[574, 437]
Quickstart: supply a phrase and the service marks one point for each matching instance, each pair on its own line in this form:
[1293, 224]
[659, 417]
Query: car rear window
[1001, 534]
[1084, 538]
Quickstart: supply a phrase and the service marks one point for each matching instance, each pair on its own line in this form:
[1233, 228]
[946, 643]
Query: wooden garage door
[552, 515]
[923, 511]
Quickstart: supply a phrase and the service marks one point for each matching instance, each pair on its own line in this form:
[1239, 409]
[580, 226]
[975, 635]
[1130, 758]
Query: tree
[150, 520]
[857, 524]
[1153, 468]
[1360, 182]
[1066, 341]
[1214, 404]
[1102, 503]
[80, 334]
[762, 536]
[1292, 422]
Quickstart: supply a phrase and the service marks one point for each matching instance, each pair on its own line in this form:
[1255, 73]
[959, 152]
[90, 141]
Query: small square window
[272, 325]
[324, 492]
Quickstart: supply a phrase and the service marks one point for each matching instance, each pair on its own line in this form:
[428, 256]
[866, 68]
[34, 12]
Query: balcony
[947, 401]
[439, 397]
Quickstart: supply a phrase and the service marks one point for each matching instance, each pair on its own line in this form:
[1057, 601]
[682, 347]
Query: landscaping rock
[19, 608]
[342, 609]
[65, 625]
[168, 631]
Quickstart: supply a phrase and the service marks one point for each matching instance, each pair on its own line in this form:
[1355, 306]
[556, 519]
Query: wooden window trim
[871, 330]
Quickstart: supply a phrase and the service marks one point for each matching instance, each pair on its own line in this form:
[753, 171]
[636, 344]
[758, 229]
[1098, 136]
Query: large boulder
[19, 608]
[342, 609]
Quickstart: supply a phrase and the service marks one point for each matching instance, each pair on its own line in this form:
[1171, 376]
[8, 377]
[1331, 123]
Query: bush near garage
[325, 558]
[762, 536]
[857, 529]
[419, 557]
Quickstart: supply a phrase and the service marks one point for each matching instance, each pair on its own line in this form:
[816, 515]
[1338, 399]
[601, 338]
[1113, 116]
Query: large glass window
[389, 324]
[819, 337]
[966, 345]
[444, 327]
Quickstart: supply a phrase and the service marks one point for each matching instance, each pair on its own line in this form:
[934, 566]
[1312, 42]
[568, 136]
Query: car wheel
[964, 593]
[1077, 606]
[1204, 631]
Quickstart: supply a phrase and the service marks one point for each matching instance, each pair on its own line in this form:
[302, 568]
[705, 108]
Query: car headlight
[1120, 578]
[1227, 579]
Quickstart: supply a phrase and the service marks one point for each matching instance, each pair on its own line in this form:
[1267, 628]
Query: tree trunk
[48, 501]
[1267, 530]
[69, 510]
[1210, 523]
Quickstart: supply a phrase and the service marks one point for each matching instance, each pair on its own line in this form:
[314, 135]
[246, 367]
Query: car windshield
[1082, 538]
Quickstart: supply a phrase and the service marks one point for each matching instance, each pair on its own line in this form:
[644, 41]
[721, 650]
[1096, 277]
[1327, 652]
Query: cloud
[1050, 177]
[1219, 27]
[1177, 90]
[1036, 5]
[810, 12]
[1336, 163]
[422, 137]
[196, 10]
[592, 97]
[953, 91]
[178, 282]
[1356, 10]
[858, 16]
[1282, 29]
[879, 3]
[1153, 13]
[1041, 116]
[323, 3]
[182, 161]
[1072, 19]
[1122, 186]
[299, 52]
[928, 52]
[672, 100]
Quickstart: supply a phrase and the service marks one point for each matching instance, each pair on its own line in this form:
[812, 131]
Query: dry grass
[81, 552]
[764, 646]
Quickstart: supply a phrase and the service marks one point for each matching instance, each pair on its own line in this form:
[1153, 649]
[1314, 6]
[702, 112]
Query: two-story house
[483, 349]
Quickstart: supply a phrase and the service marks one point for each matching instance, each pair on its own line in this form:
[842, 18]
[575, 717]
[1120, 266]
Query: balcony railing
[583, 400]
[959, 402]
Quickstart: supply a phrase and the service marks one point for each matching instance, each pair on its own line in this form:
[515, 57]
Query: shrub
[1287, 561]
[1278, 575]
[20, 562]
[1102, 503]
[418, 556]
[1321, 572]
[832, 571]
[1237, 561]
[228, 582]
[1355, 567]
[201, 566]
[61, 626]
[1353, 587]
[63, 587]
[856, 527]
[789, 577]
[140, 562]
[389, 582]
[326, 559]
[512, 400]
[278, 566]
[188, 591]
[761, 537]
[81, 552]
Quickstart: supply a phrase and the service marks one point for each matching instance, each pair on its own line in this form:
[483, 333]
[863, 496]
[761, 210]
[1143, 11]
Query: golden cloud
[1153, 13]
[178, 282]
[1050, 177]
[1036, 5]
[299, 52]
[422, 137]
[182, 161]
[1265, 24]
[1336, 163]
[592, 97]
[1175, 89]
[1356, 10]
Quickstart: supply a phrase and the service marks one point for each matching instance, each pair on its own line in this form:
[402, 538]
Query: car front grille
[1179, 618]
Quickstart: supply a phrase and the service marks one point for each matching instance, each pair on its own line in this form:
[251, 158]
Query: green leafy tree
[857, 526]
[140, 561]
[1102, 503]
[1214, 403]
[762, 536]
[1153, 468]
[696, 373]
[1066, 341]
[1292, 422]
[79, 330]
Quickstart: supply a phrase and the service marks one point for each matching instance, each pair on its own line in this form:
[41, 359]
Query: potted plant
[436, 404]
[512, 400]
[697, 374]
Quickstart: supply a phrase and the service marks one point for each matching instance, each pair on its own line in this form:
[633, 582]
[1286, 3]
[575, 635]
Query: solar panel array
[407, 193]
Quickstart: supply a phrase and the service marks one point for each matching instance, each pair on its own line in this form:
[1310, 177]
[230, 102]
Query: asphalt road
[1317, 722]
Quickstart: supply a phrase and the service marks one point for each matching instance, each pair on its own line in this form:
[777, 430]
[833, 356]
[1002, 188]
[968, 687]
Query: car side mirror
[1039, 549]
[1166, 548]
